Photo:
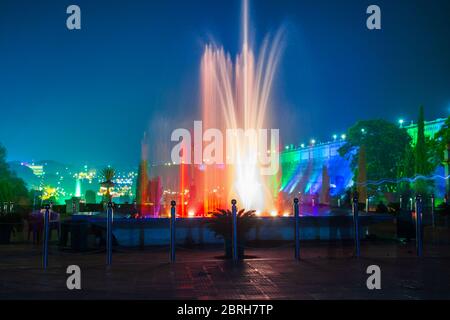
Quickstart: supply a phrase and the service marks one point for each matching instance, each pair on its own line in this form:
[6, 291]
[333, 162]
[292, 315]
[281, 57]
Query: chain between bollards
[109, 221]
[356, 224]
[419, 239]
[172, 230]
[234, 229]
[297, 229]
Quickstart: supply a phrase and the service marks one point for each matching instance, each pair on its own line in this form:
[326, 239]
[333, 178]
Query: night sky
[87, 96]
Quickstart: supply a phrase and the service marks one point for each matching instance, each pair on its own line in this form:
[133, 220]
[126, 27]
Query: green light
[78, 189]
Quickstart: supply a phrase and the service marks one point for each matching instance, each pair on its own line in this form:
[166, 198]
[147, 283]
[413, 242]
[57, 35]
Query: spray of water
[235, 95]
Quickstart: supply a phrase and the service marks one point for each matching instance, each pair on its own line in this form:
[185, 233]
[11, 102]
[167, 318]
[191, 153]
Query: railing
[298, 228]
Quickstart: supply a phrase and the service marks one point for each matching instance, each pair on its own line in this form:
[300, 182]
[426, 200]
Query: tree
[12, 188]
[406, 171]
[385, 145]
[362, 174]
[441, 149]
[325, 190]
[422, 164]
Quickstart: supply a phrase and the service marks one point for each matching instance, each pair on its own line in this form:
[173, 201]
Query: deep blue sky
[87, 96]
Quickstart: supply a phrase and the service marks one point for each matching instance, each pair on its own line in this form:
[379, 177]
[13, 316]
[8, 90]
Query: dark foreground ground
[326, 271]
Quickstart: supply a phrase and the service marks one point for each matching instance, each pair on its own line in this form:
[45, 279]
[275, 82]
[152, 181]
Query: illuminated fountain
[235, 95]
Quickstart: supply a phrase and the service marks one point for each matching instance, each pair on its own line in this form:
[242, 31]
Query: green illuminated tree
[423, 164]
[12, 188]
[421, 147]
[406, 171]
[362, 174]
[385, 145]
[442, 149]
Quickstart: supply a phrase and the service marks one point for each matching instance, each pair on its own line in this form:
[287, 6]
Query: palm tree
[108, 174]
[221, 225]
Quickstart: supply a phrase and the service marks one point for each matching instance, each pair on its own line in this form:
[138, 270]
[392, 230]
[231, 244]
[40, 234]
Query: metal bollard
[339, 202]
[433, 221]
[356, 224]
[46, 234]
[401, 201]
[109, 222]
[173, 218]
[297, 229]
[419, 239]
[234, 229]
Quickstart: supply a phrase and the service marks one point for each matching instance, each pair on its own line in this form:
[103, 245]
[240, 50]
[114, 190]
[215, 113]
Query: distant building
[302, 166]
[38, 170]
[302, 169]
[431, 128]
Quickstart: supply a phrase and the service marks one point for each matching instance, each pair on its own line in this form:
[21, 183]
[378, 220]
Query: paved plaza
[327, 270]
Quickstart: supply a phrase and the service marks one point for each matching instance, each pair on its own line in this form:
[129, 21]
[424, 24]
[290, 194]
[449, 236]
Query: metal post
[109, 221]
[234, 229]
[46, 234]
[356, 224]
[433, 221]
[135, 207]
[297, 230]
[339, 202]
[367, 204]
[401, 201]
[419, 239]
[11, 207]
[173, 218]
[411, 203]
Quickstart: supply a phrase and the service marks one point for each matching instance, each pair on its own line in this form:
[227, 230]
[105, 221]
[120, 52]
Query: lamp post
[356, 224]
[45, 242]
[297, 229]
[109, 221]
[419, 244]
[172, 230]
[234, 229]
